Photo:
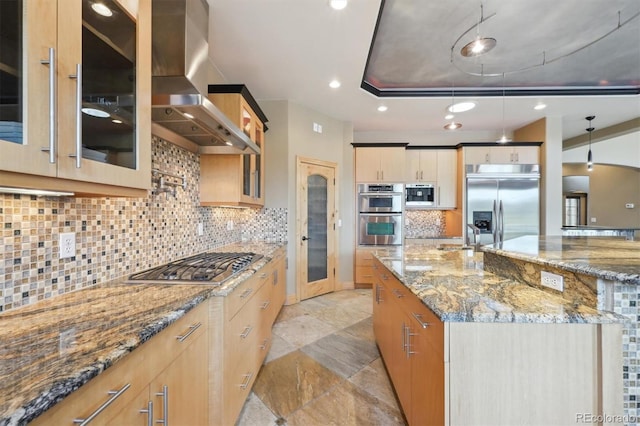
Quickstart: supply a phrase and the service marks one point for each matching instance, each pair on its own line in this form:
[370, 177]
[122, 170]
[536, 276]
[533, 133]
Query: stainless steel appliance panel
[380, 229]
[513, 202]
[419, 195]
[379, 198]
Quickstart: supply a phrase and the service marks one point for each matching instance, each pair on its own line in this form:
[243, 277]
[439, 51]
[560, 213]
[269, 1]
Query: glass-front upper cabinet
[75, 92]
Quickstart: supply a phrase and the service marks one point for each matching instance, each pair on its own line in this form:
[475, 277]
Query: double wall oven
[380, 219]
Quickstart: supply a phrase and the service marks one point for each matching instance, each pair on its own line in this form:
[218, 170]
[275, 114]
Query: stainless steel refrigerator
[503, 201]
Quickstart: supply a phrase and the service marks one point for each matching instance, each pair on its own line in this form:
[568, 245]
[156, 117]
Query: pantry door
[316, 230]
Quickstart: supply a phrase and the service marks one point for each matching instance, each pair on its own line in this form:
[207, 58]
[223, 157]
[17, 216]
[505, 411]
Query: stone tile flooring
[323, 368]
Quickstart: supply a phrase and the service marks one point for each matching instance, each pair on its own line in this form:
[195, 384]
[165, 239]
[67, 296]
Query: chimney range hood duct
[179, 101]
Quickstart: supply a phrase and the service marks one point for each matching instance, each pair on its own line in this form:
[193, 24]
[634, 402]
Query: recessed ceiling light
[228, 143]
[101, 9]
[338, 4]
[452, 126]
[189, 116]
[95, 112]
[334, 84]
[448, 116]
[540, 106]
[461, 106]
[382, 108]
[116, 121]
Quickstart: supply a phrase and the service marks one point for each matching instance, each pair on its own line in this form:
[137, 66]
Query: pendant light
[504, 138]
[453, 125]
[589, 155]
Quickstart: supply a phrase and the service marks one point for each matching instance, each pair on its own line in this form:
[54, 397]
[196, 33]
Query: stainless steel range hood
[181, 69]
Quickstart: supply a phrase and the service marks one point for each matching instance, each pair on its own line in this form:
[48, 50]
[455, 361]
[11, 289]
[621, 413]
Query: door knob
[305, 238]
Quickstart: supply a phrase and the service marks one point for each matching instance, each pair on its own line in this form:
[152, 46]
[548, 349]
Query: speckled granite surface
[109, 321]
[454, 285]
[615, 259]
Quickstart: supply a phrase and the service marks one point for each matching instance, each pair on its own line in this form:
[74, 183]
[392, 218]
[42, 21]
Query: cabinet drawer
[364, 258]
[423, 317]
[364, 274]
[240, 296]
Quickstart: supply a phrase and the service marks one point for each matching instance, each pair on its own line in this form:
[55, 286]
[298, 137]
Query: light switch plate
[67, 245]
[200, 229]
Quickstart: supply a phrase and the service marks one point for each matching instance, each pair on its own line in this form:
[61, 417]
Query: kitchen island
[52, 348]
[467, 346]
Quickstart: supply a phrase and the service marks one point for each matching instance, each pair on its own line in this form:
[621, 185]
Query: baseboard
[291, 299]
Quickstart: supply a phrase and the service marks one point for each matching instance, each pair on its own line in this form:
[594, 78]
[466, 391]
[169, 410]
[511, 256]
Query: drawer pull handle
[51, 61]
[192, 328]
[264, 344]
[246, 293]
[246, 332]
[148, 412]
[247, 380]
[114, 395]
[263, 275]
[418, 318]
[165, 405]
[265, 304]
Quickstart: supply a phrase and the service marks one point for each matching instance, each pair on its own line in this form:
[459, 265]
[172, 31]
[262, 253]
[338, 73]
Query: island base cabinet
[533, 374]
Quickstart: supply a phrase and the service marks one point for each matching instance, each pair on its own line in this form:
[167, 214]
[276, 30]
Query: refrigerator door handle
[501, 223]
[496, 223]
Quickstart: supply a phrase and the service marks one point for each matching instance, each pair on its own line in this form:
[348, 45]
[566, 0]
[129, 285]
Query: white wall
[622, 150]
[290, 135]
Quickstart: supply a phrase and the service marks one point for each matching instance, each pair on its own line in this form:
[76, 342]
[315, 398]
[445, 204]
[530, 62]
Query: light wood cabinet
[421, 165]
[446, 179]
[384, 164]
[122, 393]
[511, 154]
[492, 373]
[65, 55]
[363, 268]
[235, 179]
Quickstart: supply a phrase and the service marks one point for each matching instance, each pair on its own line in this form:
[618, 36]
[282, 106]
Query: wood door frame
[299, 231]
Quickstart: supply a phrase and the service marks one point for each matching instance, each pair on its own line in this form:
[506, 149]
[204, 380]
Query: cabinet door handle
[382, 174]
[438, 189]
[52, 104]
[486, 158]
[165, 405]
[245, 333]
[418, 318]
[404, 338]
[517, 154]
[409, 334]
[246, 293]
[265, 304]
[189, 332]
[417, 175]
[247, 380]
[264, 344]
[256, 184]
[78, 77]
[149, 412]
[421, 174]
[114, 395]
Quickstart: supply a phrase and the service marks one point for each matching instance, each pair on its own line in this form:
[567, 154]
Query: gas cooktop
[205, 268]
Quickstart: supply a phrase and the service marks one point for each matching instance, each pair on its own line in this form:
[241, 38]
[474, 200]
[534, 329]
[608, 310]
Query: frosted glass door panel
[317, 228]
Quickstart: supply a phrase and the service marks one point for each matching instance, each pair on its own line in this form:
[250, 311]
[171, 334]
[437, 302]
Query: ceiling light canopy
[478, 47]
[453, 126]
[338, 4]
[461, 106]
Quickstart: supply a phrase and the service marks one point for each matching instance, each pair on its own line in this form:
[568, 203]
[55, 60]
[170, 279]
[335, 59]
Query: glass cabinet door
[11, 72]
[108, 84]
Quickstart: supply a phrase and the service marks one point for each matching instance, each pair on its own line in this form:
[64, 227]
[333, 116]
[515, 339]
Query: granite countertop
[603, 228]
[610, 258]
[109, 320]
[453, 284]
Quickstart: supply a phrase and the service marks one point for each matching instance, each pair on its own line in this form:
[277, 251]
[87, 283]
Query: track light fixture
[589, 154]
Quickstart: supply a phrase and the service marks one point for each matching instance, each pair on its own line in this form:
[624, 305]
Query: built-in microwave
[380, 197]
[419, 195]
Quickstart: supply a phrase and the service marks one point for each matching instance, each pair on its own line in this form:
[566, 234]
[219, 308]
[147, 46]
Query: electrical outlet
[229, 225]
[67, 341]
[630, 205]
[553, 281]
[200, 229]
[593, 220]
[67, 245]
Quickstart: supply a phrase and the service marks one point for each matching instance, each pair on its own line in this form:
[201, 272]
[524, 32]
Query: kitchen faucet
[476, 236]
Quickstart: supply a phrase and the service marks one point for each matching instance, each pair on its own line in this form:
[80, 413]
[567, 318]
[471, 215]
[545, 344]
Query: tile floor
[323, 368]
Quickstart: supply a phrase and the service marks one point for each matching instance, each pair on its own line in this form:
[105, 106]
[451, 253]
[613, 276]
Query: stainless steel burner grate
[209, 268]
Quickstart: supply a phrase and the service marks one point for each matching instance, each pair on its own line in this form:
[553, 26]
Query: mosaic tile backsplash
[424, 223]
[117, 236]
